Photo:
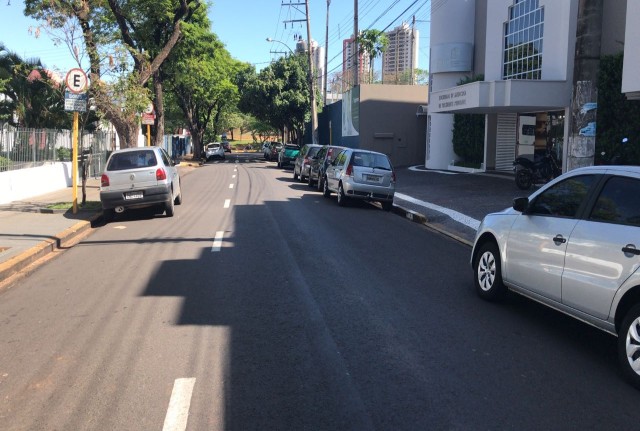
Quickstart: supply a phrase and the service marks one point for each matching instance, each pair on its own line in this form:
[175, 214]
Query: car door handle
[559, 239]
[631, 248]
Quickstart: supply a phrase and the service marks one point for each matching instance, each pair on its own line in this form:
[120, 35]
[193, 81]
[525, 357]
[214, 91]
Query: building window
[523, 35]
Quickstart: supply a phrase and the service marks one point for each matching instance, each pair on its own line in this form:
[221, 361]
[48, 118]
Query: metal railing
[28, 148]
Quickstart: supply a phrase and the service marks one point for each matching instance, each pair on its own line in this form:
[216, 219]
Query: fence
[28, 148]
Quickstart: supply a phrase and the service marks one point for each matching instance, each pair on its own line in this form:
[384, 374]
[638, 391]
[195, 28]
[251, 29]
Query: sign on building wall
[451, 57]
[351, 112]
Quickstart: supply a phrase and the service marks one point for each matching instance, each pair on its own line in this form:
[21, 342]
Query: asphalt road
[263, 305]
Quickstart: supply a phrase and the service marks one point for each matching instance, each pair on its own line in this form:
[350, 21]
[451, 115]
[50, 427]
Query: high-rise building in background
[349, 58]
[401, 57]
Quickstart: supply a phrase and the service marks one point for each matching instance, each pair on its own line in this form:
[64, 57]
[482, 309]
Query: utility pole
[314, 108]
[326, 54]
[356, 80]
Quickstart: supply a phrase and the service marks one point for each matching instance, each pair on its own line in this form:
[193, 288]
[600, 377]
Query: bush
[63, 154]
[468, 133]
[4, 164]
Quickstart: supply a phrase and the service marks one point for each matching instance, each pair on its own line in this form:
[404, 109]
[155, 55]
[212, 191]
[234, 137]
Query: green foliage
[278, 95]
[372, 43]
[4, 164]
[468, 132]
[617, 117]
[63, 154]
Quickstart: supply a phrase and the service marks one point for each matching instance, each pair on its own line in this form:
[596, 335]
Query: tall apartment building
[349, 60]
[401, 56]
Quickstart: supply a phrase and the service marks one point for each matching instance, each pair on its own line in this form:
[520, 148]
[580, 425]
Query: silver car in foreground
[574, 245]
[361, 174]
[137, 178]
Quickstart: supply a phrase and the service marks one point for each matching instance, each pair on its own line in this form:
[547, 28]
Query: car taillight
[349, 171]
[161, 174]
[104, 180]
[306, 160]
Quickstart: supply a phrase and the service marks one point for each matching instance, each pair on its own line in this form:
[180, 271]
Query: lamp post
[273, 40]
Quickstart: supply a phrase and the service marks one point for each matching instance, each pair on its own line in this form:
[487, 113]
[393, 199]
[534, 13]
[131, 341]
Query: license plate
[372, 178]
[133, 195]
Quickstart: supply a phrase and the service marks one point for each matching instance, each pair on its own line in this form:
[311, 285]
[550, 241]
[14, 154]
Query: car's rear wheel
[629, 346]
[169, 208]
[342, 198]
[488, 274]
[310, 180]
[325, 188]
[387, 205]
[320, 183]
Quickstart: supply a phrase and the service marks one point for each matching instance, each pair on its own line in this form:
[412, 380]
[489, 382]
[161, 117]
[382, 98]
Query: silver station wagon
[361, 174]
[574, 245]
[137, 178]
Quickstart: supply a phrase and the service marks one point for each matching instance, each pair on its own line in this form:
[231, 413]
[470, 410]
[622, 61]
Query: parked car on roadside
[214, 150]
[573, 245]
[226, 146]
[303, 161]
[319, 163]
[287, 155]
[361, 174]
[271, 150]
[137, 178]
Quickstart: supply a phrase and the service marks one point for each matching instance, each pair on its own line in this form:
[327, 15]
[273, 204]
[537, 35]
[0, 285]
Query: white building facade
[524, 52]
[401, 57]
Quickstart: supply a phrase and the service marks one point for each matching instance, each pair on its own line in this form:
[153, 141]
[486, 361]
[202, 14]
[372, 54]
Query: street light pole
[273, 40]
[314, 109]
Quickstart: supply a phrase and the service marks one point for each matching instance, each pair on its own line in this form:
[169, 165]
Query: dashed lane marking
[227, 203]
[217, 241]
[179, 403]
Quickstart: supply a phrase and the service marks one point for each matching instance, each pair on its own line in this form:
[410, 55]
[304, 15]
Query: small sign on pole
[75, 99]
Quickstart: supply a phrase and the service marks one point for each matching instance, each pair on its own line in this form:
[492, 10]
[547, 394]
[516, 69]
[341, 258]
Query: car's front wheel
[295, 174]
[629, 346]
[488, 274]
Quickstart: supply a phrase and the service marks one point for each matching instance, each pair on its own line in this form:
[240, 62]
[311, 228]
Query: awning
[492, 97]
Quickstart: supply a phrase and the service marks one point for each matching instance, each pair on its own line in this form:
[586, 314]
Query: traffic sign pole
[148, 135]
[74, 162]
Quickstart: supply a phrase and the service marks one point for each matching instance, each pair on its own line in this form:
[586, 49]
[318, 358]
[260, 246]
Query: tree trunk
[581, 148]
[159, 107]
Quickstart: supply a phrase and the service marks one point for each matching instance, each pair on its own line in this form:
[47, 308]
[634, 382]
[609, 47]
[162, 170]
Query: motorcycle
[529, 172]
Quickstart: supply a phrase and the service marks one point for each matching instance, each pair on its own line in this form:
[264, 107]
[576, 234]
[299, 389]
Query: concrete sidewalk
[452, 203]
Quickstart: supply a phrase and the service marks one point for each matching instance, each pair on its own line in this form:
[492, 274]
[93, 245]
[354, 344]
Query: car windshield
[132, 160]
[213, 146]
[313, 151]
[371, 160]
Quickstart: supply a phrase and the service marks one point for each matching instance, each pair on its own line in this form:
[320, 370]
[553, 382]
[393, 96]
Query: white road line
[231, 185]
[227, 203]
[455, 215]
[233, 176]
[178, 412]
[217, 241]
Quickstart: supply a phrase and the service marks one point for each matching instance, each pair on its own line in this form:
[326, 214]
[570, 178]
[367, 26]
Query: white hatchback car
[137, 178]
[573, 245]
[214, 150]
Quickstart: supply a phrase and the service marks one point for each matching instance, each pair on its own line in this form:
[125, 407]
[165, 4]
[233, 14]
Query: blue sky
[244, 25]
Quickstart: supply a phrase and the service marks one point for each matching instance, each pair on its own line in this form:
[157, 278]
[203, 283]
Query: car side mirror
[521, 204]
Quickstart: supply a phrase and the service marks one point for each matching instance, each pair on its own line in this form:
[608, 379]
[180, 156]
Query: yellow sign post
[75, 99]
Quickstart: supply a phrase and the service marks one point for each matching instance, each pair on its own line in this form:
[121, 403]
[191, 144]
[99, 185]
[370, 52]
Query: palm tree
[372, 43]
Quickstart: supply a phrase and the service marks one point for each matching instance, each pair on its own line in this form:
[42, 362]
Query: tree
[113, 29]
[209, 90]
[31, 94]
[372, 43]
[278, 95]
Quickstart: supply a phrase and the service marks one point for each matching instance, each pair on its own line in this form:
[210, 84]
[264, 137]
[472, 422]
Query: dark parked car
[288, 155]
[226, 146]
[319, 163]
[303, 161]
[137, 178]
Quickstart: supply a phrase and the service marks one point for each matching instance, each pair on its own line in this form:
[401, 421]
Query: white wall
[25, 183]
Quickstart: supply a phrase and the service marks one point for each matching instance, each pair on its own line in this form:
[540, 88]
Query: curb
[416, 217]
[17, 267]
